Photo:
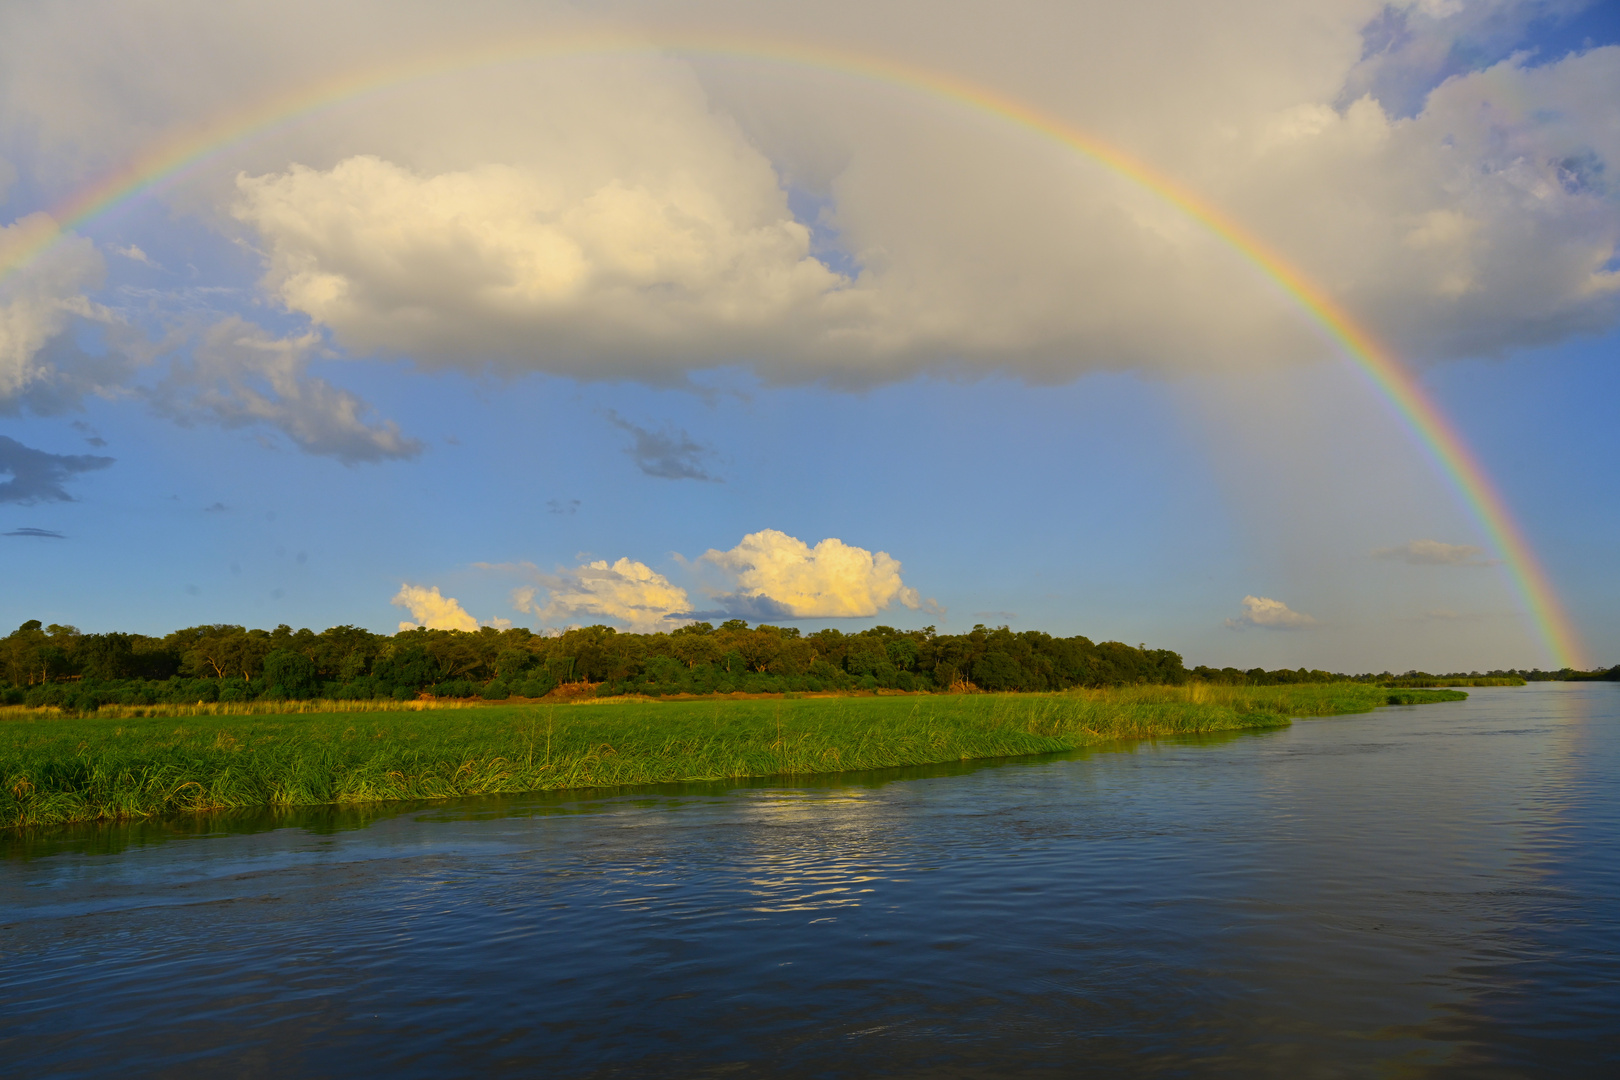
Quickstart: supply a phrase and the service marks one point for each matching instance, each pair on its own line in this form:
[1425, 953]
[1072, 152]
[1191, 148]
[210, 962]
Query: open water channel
[1420, 891]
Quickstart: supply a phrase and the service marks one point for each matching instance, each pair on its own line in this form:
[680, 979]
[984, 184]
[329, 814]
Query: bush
[539, 684]
[403, 693]
[290, 675]
[455, 688]
[495, 691]
[361, 689]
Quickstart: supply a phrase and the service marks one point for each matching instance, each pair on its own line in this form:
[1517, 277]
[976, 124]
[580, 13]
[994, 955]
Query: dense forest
[58, 665]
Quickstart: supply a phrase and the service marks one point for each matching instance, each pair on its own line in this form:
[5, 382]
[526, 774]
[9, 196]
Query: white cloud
[773, 575]
[241, 375]
[625, 593]
[135, 254]
[566, 272]
[1434, 553]
[431, 610]
[41, 368]
[1268, 614]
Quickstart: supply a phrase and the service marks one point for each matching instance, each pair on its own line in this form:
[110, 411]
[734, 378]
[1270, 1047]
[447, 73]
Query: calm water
[1422, 891]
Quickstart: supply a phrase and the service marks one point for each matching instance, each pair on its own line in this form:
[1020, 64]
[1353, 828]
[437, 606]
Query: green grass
[58, 769]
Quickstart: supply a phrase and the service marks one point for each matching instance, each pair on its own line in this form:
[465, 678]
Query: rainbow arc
[173, 157]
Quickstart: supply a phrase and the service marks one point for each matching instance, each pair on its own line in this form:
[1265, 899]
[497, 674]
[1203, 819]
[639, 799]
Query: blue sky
[460, 337]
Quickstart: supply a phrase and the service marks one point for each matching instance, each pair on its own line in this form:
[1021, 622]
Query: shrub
[290, 675]
[495, 691]
[539, 684]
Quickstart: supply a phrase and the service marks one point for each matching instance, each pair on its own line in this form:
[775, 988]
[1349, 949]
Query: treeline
[57, 665]
[1498, 677]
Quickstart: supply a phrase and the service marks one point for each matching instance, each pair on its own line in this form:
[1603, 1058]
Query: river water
[1417, 892]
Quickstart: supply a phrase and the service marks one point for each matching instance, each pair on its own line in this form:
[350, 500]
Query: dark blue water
[1421, 891]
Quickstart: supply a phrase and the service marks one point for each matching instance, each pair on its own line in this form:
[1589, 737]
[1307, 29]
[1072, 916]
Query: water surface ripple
[1418, 892]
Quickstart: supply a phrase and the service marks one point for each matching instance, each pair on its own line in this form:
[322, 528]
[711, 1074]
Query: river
[1422, 891]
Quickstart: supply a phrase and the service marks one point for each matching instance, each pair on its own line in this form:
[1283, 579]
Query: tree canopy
[58, 665]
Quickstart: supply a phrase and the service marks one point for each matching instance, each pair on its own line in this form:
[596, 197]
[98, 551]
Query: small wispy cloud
[668, 455]
[216, 508]
[1264, 613]
[44, 534]
[562, 506]
[241, 375]
[137, 255]
[1434, 553]
[37, 476]
[91, 435]
[1447, 615]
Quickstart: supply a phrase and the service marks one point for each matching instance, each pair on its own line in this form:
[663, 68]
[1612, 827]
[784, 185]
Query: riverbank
[58, 769]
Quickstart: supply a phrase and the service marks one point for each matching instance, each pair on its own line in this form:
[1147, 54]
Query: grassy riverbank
[1431, 681]
[59, 769]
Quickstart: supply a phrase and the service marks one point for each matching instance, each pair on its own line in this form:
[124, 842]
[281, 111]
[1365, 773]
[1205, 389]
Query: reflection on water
[1420, 891]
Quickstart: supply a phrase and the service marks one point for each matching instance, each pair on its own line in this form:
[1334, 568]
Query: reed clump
[241, 708]
[57, 769]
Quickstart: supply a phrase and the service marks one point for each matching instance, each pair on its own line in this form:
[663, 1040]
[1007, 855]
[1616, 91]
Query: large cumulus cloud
[432, 609]
[625, 593]
[771, 574]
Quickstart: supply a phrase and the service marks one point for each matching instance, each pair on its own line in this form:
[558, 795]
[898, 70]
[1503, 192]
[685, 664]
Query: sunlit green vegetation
[58, 667]
[59, 768]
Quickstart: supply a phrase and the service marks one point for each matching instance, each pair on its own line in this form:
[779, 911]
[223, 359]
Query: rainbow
[173, 157]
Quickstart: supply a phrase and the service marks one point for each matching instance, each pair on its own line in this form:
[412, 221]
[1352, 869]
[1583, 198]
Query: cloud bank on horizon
[631, 216]
[1435, 553]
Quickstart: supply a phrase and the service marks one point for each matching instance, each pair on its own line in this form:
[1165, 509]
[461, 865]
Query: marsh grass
[240, 708]
[64, 769]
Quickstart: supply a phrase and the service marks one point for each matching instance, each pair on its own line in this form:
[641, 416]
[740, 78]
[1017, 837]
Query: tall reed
[60, 769]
